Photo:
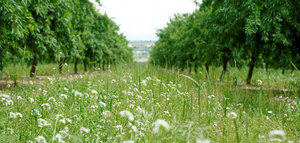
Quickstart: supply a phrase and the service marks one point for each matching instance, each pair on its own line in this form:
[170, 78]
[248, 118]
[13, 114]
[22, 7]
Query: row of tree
[59, 31]
[222, 32]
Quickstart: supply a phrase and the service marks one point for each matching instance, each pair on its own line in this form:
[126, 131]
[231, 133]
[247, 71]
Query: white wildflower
[19, 115]
[46, 105]
[11, 131]
[119, 127]
[83, 129]
[65, 120]
[64, 131]
[36, 112]
[159, 123]
[5, 96]
[19, 98]
[106, 114]
[277, 135]
[58, 116]
[12, 115]
[31, 100]
[43, 123]
[127, 114]
[94, 92]
[102, 104]
[64, 96]
[41, 139]
[202, 141]
[144, 82]
[232, 115]
[78, 94]
[94, 106]
[134, 129]
[59, 138]
[211, 96]
[52, 99]
[166, 112]
[130, 141]
[15, 115]
[9, 102]
[259, 82]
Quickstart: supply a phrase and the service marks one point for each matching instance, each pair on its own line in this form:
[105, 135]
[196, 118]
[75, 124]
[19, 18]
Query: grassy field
[142, 103]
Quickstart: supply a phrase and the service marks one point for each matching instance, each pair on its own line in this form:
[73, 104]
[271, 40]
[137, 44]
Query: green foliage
[262, 33]
[59, 31]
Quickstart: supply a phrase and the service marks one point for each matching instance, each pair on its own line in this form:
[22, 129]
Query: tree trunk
[60, 66]
[252, 64]
[224, 69]
[196, 68]
[85, 65]
[103, 65]
[267, 68]
[190, 68]
[283, 71]
[207, 70]
[33, 67]
[75, 66]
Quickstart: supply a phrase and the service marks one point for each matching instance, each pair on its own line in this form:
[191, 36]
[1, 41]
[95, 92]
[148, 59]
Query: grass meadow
[143, 103]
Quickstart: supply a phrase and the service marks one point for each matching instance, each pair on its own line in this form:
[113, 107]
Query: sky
[140, 19]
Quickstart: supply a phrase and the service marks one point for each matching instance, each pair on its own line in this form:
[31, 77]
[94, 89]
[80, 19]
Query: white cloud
[140, 19]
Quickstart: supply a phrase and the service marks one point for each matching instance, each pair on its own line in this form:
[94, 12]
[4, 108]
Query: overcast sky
[140, 19]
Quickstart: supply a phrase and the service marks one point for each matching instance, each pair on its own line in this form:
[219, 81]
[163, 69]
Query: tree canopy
[258, 33]
[59, 31]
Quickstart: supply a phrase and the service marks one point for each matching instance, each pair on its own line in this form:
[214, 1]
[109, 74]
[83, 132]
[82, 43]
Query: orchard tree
[15, 23]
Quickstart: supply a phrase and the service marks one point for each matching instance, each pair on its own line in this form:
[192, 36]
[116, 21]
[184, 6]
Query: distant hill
[141, 50]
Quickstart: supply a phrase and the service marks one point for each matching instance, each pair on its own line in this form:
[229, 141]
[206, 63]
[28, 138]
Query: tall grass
[93, 107]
